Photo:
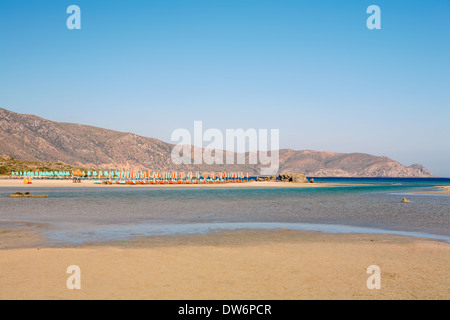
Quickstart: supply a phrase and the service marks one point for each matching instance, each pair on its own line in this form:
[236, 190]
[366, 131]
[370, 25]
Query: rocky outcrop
[289, 177]
[27, 195]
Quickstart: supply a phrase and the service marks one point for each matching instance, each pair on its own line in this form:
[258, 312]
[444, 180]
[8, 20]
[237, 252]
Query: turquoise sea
[370, 205]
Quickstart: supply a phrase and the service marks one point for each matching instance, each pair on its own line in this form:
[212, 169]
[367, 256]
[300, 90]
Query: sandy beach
[18, 183]
[245, 264]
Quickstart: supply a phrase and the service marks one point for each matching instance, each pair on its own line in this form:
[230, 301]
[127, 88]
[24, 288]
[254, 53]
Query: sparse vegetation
[9, 164]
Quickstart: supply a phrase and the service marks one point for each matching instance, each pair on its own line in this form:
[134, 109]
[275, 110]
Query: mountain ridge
[32, 138]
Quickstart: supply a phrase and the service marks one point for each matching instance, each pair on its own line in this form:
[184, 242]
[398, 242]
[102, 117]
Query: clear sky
[309, 68]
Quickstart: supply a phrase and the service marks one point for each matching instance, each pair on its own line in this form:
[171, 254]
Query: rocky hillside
[31, 138]
[329, 164]
[28, 137]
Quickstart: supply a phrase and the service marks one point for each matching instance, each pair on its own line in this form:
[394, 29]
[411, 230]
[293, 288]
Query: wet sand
[441, 190]
[437, 190]
[243, 264]
[17, 183]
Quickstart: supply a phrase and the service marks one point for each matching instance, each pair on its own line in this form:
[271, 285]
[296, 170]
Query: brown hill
[329, 164]
[31, 138]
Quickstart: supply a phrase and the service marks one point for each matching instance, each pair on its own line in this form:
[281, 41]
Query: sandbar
[441, 190]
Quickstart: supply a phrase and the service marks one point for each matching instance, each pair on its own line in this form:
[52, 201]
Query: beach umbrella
[78, 173]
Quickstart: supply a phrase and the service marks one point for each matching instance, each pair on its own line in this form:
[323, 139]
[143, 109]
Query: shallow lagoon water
[124, 232]
[77, 215]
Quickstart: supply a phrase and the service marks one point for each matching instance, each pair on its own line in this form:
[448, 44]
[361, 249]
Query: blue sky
[309, 68]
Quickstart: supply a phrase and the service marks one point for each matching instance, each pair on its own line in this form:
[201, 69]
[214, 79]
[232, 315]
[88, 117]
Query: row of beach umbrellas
[131, 174]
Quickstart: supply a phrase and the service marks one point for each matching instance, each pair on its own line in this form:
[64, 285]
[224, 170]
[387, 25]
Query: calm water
[101, 214]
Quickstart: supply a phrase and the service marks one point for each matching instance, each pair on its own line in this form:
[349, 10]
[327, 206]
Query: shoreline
[253, 264]
[28, 234]
[32, 234]
[445, 190]
[18, 183]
